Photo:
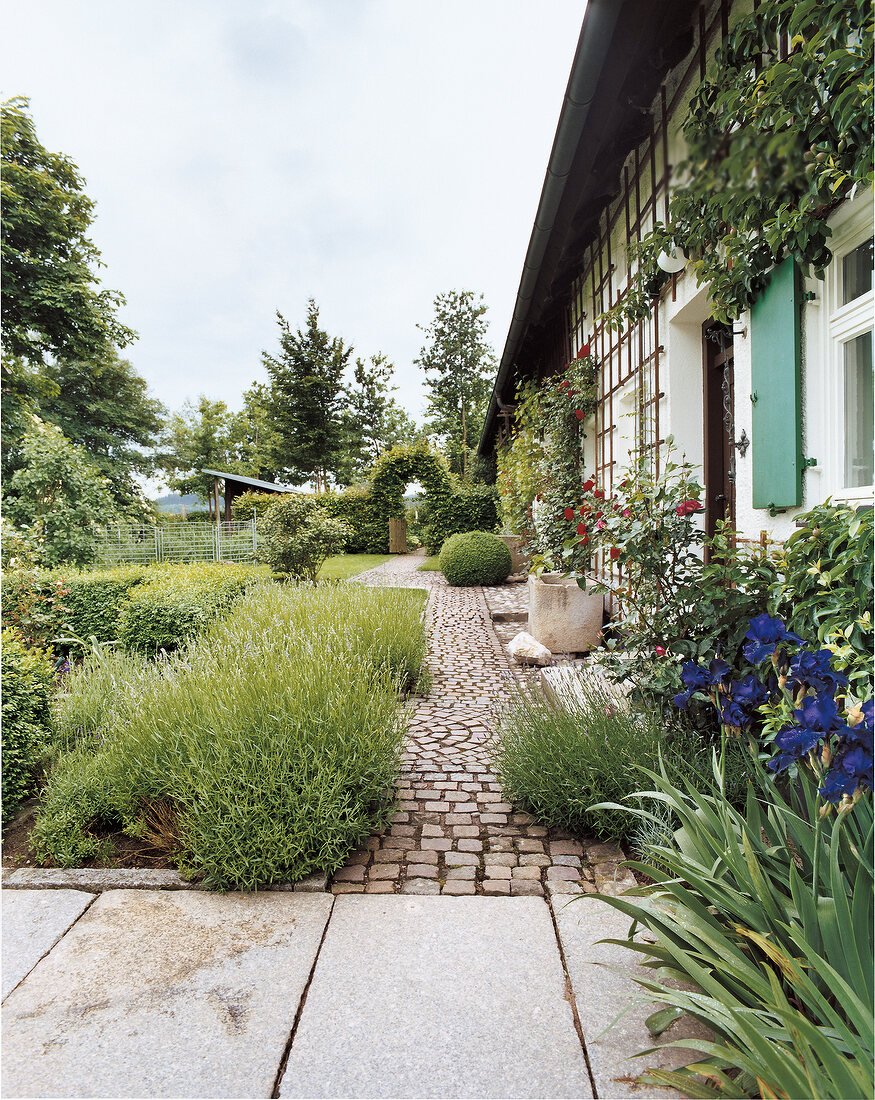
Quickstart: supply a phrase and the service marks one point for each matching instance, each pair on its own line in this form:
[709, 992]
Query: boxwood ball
[475, 557]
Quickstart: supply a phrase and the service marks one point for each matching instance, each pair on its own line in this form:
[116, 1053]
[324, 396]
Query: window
[849, 331]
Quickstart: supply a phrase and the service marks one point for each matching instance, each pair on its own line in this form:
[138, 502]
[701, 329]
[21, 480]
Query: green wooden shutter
[776, 354]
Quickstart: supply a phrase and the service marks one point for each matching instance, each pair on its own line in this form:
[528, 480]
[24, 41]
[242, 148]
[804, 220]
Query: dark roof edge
[257, 483]
[596, 33]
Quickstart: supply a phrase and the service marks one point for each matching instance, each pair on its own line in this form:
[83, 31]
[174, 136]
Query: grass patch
[431, 565]
[342, 566]
[266, 749]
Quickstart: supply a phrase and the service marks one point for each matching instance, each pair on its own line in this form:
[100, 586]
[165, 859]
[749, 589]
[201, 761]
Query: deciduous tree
[459, 364]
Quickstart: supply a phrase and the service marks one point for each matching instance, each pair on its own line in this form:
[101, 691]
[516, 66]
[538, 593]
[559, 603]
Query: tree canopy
[52, 301]
[307, 401]
[459, 365]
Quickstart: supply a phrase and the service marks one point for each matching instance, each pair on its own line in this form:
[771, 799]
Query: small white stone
[526, 651]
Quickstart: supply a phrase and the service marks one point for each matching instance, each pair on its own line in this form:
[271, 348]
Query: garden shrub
[275, 737]
[34, 604]
[559, 760]
[297, 535]
[825, 587]
[246, 505]
[177, 601]
[27, 684]
[475, 557]
[463, 508]
[93, 600]
[355, 506]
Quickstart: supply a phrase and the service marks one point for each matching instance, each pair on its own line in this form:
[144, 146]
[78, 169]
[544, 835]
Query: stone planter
[519, 562]
[562, 616]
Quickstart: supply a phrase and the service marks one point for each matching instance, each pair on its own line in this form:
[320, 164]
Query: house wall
[652, 375]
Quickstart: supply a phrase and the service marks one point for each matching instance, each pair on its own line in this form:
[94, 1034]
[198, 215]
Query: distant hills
[173, 502]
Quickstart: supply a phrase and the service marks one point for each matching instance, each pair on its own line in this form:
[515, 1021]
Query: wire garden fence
[132, 545]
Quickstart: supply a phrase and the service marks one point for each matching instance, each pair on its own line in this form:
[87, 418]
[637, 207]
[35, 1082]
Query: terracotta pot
[563, 617]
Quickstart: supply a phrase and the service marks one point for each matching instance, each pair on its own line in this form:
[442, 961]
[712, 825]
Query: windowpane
[859, 416]
[857, 272]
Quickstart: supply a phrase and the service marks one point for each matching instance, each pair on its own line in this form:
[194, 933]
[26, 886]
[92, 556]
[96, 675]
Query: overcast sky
[245, 156]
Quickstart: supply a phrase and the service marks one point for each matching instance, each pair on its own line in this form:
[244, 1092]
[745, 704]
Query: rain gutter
[593, 47]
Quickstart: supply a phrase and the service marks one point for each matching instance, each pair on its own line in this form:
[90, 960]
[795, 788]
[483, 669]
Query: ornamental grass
[268, 747]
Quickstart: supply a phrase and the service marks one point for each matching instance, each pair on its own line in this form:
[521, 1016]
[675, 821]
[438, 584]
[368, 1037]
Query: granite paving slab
[601, 977]
[164, 994]
[33, 922]
[418, 996]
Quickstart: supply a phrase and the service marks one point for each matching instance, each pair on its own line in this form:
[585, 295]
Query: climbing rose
[659, 651]
[581, 528]
[599, 494]
[584, 540]
[688, 507]
[583, 351]
[579, 413]
[615, 552]
[588, 486]
[569, 513]
[583, 509]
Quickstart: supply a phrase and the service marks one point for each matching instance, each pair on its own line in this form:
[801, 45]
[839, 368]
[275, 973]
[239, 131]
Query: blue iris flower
[764, 636]
[696, 678]
[820, 713]
[851, 768]
[815, 670]
[744, 697]
[794, 743]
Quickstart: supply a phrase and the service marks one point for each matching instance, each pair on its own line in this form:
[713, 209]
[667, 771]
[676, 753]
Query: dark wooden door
[719, 412]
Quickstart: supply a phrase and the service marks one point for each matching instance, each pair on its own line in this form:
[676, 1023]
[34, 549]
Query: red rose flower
[615, 553]
[569, 513]
[659, 651]
[579, 413]
[583, 351]
[583, 509]
[599, 494]
[581, 528]
[584, 540]
[599, 515]
[688, 507]
[588, 486]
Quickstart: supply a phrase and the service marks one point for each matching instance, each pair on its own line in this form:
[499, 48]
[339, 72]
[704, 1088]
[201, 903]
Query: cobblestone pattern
[454, 832]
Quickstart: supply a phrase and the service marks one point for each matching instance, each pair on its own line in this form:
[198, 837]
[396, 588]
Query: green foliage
[274, 739]
[825, 587]
[27, 683]
[558, 755]
[196, 438]
[104, 406]
[466, 508]
[459, 367]
[369, 533]
[475, 557]
[540, 470]
[307, 400]
[175, 602]
[675, 606]
[250, 503]
[769, 914]
[33, 604]
[57, 498]
[775, 144]
[51, 306]
[296, 536]
[93, 601]
[375, 421]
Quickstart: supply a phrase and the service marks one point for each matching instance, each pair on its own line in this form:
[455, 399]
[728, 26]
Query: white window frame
[852, 226]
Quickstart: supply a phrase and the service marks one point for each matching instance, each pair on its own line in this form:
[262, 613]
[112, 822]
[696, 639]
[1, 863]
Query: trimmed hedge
[177, 601]
[464, 508]
[475, 557]
[95, 599]
[27, 683]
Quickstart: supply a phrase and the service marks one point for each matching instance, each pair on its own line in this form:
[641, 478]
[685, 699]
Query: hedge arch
[395, 469]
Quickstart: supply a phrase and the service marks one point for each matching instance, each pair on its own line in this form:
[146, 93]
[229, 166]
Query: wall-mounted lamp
[673, 261]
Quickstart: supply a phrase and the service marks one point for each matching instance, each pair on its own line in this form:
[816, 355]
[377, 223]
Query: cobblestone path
[454, 832]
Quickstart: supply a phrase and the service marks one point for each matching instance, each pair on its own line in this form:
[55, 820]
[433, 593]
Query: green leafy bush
[274, 738]
[94, 600]
[369, 534]
[296, 536]
[34, 604]
[27, 684]
[463, 508]
[769, 914]
[558, 757]
[177, 601]
[475, 557]
[824, 590]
